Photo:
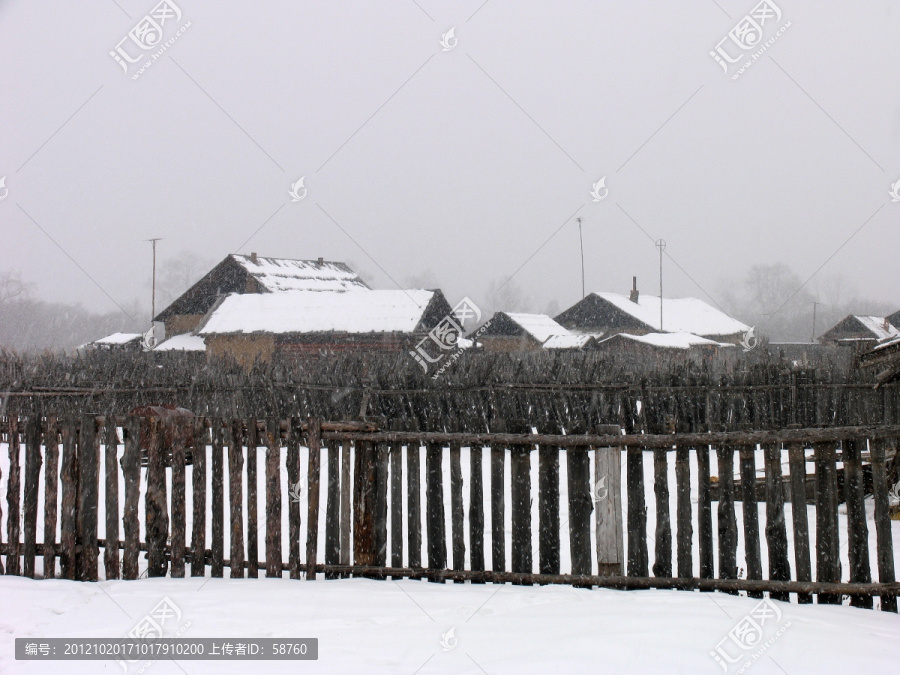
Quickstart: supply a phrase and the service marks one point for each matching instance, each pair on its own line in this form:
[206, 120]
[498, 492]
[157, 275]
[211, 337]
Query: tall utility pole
[814, 322]
[153, 296]
[581, 240]
[661, 245]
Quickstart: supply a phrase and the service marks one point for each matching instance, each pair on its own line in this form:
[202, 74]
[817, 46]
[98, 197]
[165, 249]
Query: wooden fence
[374, 511]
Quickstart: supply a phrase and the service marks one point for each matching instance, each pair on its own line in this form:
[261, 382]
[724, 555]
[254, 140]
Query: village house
[255, 326]
[862, 332]
[242, 274]
[636, 314]
[511, 332]
[654, 345]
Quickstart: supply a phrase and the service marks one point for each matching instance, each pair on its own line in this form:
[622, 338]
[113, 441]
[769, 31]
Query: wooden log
[637, 514]
[51, 496]
[750, 508]
[548, 509]
[797, 460]
[217, 564]
[434, 506]
[88, 501]
[235, 443]
[346, 514]
[131, 472]
[476, 508]
[498, 503]
[396, 459]
[180, 434]
[456, 508]
[252, 500]
[293, 471]
[685, 533]
[364, 505]
[727, 523]
[857, 529]
[662, 567]
[520, 502]
[69, 487]
[414, 503]
[776, 530]
[33, 463]
[380, 503]
[273, 499]
[312, 521]
[607, 496]
[885, 551]
[13, 488]
[155, 500]
[198, 490]
[333, 508]
[111, 550]
[828, 562]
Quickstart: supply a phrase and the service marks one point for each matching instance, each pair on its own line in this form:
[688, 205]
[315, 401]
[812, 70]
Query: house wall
[182, 323]
[507, 343]
[242, 348]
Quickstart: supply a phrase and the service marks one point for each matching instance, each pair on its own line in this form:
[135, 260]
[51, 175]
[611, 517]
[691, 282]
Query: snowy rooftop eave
[680, 315]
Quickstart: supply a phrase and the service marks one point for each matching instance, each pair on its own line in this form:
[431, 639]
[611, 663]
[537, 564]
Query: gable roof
[680, 315]
[879, 326]
[857, 327]
[284, 274]
[118, 339]
[314, 312]
[569, 341]
[538, 326]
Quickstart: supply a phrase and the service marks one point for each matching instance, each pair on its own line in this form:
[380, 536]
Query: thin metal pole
[153, 294]
[581, 240]
[661, 245]
[814, 322]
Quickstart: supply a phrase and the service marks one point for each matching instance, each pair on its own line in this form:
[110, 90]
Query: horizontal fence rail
[522, 503]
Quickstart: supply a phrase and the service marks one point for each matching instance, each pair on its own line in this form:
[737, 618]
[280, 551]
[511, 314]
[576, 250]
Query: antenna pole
[581, 241]
[814, 322]
[661, 245]
[153, 292]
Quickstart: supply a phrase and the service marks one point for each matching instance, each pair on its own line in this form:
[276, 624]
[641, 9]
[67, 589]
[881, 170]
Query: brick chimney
[634, 291]
[253, 258]
[321, 261]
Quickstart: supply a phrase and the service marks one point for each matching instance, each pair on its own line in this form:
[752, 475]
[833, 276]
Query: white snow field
[416, 626]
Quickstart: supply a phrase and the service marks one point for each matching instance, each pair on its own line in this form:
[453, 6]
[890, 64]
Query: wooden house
[894, 319]
[652, 345]
[861, 332]
[512, 332]
[637, 314]
[254, 326]
[254, 274]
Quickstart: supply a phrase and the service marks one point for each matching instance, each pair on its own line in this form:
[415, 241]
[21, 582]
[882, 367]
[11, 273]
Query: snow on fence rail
[371, 502]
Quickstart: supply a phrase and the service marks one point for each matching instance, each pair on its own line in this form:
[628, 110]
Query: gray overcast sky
[462, 161]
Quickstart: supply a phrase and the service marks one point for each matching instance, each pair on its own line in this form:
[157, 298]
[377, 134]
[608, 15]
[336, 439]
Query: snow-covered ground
[405, 627]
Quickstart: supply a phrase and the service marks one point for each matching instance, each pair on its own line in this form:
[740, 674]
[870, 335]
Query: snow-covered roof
[880, 327]
[117, 339]
[312, 312]
[889, 342]
[538, 326]
[570, 341]
[678, 340]
[283, 274]
[680, 315]
[184, 343]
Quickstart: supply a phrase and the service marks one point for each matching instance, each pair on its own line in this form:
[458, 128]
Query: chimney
[634, 291]
[253, 258]
[321, 261]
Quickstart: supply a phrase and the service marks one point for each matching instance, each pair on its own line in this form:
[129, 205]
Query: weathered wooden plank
[111, 552]
[727, 523]
[857, 529]
[434, 506]
[638, 562]
[69, 486]
[88, 501]
[333, 508]
[414, 503]
[198, 492]
[13, 490]
[476, 508]
[776, 530]
[800, 517]
[684, 536]
[498, 505]
[155, 505]
[131, 471]
[235, 443]
[885, 550]
[252, 499]
[607, 497]
[312, 521]
[520, 502]
[456, 508]
[346, 490]
[380, 501]
[662, 566]
[548, 509]
[293, 472]
[396, 461]
[51, 496]
[364, 505]
[750, 508]
[33, 463]
[273, 499]
[217, 518]
[828, 562]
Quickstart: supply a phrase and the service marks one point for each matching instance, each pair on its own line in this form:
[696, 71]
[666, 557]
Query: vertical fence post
[364, 504]
[333, 507]
[776, 530]
[637, 514]
[434, 506]
[51, 443]
[346, 507]
[520, 501]
[476, 508]
[312, 521]
[252, 501]
[662, 567]
[155, 501]
[414, 502]
[608, 505]
[498, 501]
[68, 507]
[381, 490]
[396, 458]
[235, 442]
[857, 530]
[273, 498]
[828, 562]
[685, 532]
[111, 552]
[198, 490]
[800, 517]
[33, 463]
[88, 485]
[750, 508]
[727, 520]
[131, 471]
[704, 513]
[295, 433]
[548, 504]
[13, 488]
[883, 524]
[178, 427]
[456, 508]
